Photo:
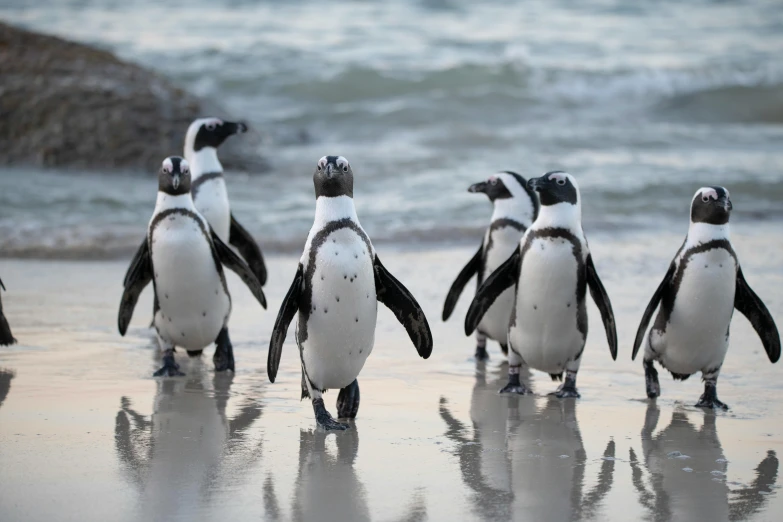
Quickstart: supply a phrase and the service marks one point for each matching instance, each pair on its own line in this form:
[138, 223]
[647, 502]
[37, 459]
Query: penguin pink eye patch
[558, 177]
[708, 194]
[212, 123]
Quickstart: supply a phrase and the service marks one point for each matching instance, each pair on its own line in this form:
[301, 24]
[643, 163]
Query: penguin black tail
[680, 376]
[557, 376]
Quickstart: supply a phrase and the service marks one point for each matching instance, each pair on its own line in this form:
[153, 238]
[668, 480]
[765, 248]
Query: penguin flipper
[398, 299]
[6, 337]
[239, 237]
[751, 306]
[235, 263]
[504, 277]
[288, 309]
[136, 279]
[601, 299]
[473, 266]
[650, 310]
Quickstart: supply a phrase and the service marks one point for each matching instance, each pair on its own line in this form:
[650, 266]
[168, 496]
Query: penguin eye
[345, 168]
[705, 199]
[493, 181]
[210, 126]
[561, 181]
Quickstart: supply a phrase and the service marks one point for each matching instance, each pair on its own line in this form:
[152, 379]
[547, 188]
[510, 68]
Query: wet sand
[87, 434]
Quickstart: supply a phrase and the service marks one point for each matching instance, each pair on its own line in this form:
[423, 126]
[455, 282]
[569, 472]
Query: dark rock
[65, 104]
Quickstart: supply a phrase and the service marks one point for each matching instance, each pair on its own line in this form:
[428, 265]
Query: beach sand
[87, 434]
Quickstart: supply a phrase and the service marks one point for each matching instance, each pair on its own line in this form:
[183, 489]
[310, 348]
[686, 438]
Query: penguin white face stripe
[167, 166]
[184, 168]
[342, 163]
[322, 163]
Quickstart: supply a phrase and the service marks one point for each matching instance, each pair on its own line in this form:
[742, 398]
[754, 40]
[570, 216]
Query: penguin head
[503, 187]
[174, 176]
[711, 205]
[556, 187]
[333, 177]
[210, 132]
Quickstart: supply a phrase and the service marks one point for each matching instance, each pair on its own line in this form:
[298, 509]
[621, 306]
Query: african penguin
[208, 188]
[6, 337]
[335, 289]
[184, 258]
[515, 209]
[550, 270]
[697, 297]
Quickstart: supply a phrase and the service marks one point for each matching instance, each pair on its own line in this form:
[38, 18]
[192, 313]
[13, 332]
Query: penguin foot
[481, 353]
[195, 353]
[514, 386]
[709, 399]
[566, 392]
[324, 418]
[224, 352]
[651, 380]
[348, 401]
[170, 366]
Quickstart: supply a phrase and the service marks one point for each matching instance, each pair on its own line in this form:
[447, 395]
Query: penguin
[550, 270]
[6, 337]
[184, 258]
[696, 300]
[208, 188]
[515, 209]
[337, 283]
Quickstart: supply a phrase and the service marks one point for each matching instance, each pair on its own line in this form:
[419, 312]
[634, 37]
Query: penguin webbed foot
[651, 380]
[324, 418]
[224, 352]
[566, 393]
[348, 401]
[481, 353]
[567, 390]
[515, 386]
[709, 399]
[170, 367]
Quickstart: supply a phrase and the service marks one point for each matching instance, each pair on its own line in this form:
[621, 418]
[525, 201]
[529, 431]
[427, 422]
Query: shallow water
[644, 104]
[87, 434]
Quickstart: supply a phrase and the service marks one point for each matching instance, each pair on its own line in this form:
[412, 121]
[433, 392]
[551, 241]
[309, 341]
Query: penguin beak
[534, 183]
[175, 181]
[727, 204]
[231, 127]
[328, 171]
[478, 187]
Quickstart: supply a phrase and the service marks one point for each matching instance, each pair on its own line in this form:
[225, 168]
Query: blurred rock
[69, 105]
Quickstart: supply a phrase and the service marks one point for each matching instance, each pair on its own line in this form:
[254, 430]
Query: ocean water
[642, 103]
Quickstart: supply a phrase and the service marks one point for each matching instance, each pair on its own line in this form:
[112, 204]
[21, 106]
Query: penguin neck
[204, 161]
[561, 215]
[512, 208]
[167, 201]
[332, 209]
[699, 233]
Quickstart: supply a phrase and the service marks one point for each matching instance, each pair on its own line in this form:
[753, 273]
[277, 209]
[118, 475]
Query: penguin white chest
[194, 304]
[211, 200]
[501, 244]
[697, 334]
[339, 332]
[544, 328]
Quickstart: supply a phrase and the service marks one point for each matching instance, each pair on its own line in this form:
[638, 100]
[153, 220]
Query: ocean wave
[724, 92]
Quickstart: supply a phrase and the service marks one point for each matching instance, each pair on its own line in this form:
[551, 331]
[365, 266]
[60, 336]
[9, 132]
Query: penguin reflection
[327, 486]
[514, 458]
[686, 488]
[184, 444]
[5, 383]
